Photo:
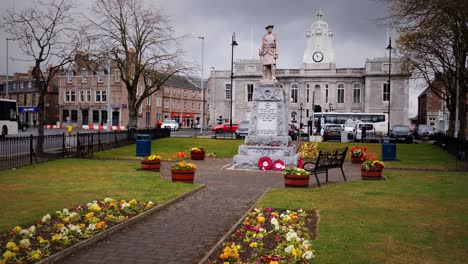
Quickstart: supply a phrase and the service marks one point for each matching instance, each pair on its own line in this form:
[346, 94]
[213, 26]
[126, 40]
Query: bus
[8, 117]
[380, 120]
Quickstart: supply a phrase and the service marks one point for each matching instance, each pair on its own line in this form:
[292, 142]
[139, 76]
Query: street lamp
[389, 47]
[213, 104]
[300, 120]
[201, 82]
[233, 43]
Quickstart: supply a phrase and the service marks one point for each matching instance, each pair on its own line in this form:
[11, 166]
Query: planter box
[296, 181]
[197, 155]
[372, 174]
[151, 165]
[356, 160]
[186, 176]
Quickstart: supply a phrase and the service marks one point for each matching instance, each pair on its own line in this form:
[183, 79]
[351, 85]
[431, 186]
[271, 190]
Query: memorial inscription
[266, 118]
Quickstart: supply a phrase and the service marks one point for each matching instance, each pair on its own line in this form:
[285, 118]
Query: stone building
[25, 90]
[432, 110]
[318, 82]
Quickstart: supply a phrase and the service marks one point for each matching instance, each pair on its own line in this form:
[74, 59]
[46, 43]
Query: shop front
[184, 119]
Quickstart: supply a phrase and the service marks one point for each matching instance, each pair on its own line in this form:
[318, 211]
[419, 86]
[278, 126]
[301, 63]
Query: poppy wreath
[265, 163]
[278, 165]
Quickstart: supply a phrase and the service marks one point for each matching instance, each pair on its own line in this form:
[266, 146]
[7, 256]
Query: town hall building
[318, 82]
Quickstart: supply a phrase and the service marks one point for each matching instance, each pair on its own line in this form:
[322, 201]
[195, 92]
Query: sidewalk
[186, 231]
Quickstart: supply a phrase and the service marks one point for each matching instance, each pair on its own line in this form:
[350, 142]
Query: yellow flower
[100, 225]
[66, 219]
[296, 252]
[94, 207]
[260, 219]
[59, 226]
[8, 255]
[132, 202]
[56, 237]
[12, 246]
[42, 241]
[89, 215]
[35, 255]
[274, 262]
[253, 244]
[82, 226]
[17, 229]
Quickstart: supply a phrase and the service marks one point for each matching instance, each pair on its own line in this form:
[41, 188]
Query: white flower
[300, 210]
[150, 204]
[108, 200]
[124, 205]
[262, 230]
[292, 235]
[305, 244]
[88, 204]
[308, 255]
[24, 243]
[289, 249]
[275, 223]
[91, 227]
[288, 212]
[32, 229]
[45, 218]
[256, 210]
[65, 211]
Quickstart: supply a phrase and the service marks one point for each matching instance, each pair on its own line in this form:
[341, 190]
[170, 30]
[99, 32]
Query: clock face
[317, 56]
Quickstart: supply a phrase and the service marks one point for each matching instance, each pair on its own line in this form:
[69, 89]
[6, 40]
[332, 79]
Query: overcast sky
[357, 36]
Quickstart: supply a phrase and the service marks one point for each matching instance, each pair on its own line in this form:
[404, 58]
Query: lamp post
[233, 43]
[389, 47]
[109, 69]
[7, 74]
[213, 104]
[300, 120]
[201, 82]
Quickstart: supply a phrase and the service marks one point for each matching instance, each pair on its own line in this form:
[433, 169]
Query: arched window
[340, 94]
[357, 93]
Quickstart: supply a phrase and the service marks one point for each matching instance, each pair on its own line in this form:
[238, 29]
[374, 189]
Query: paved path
[186, 231]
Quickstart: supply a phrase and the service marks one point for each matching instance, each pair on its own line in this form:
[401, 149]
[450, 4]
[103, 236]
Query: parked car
[305, 130]
[243, 129]
[401, 133]
[172, 124]
[332, 132]
[371, 134]
[225, 127]
[324, 126]
[198, 126]
[23, 125]
[424, 132]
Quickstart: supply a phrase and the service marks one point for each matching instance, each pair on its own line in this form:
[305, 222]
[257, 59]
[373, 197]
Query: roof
[426, 91]
[185, 82]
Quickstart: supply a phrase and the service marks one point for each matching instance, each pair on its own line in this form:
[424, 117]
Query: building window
[307, 95]
[103, 96]
[95, 116]
[74, 116]
[65, 114]
[67, 96]
[100, 76]
[72, 96]
[250, 92]
[167, 90]
[185, 93]
[185, 105]
[148, 100]
[98, 96]
[307, 112]
[34, 99]
[148, 118]
[103, 116]
[326, 95]
[166, 103]
[117, 76]
[357, 94]
[294, 93]
[82, 96]
[386, 92]
[69, 76]
[193, 106]
[84, 76]
[228, 91]
[340, 94]
[22, 85]
[158, 101]
[193, 94]
[88, 96]
[29, 85]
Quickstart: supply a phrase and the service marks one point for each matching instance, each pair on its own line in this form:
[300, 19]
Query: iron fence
[456, 147]
[21, 151]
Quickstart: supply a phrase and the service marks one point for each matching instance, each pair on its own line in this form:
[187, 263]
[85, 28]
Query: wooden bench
[326, 161]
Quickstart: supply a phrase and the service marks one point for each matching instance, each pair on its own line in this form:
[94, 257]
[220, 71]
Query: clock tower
[319, 52]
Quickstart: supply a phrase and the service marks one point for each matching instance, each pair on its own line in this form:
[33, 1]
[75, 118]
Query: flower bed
[270, 236]
[65, 228]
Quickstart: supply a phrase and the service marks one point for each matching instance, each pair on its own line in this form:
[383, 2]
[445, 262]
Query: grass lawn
[413, 218]
[408, 155]
[28, 193]
[166, 147]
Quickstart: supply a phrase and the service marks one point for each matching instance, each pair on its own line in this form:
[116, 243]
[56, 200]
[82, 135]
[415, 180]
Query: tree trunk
[41, 108]
[132, 111]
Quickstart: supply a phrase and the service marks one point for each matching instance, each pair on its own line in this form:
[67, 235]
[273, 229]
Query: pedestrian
[34, 122]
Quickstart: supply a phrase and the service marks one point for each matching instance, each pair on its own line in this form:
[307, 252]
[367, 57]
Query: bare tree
[434, 40]
[144, 48]
[45, 33]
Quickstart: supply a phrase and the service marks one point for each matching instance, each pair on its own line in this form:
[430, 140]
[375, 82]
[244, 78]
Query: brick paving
[184, 232]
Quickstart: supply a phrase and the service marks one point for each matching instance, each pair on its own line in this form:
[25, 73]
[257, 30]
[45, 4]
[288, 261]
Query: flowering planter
[372, 173]
[152, 165]
[186, 176]
[298, 181]
[356, 160]
[197, 155]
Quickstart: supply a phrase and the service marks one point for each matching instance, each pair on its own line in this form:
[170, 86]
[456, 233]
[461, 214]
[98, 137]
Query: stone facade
[318, 82]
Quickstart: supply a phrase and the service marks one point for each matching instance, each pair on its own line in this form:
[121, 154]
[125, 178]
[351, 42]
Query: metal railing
[21, 151]
[456, 147]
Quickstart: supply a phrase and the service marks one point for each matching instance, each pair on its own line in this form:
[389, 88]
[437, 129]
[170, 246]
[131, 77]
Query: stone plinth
[268, 135]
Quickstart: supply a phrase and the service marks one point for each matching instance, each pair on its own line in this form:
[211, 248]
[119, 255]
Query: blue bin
[388, 149]
[143, 145]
